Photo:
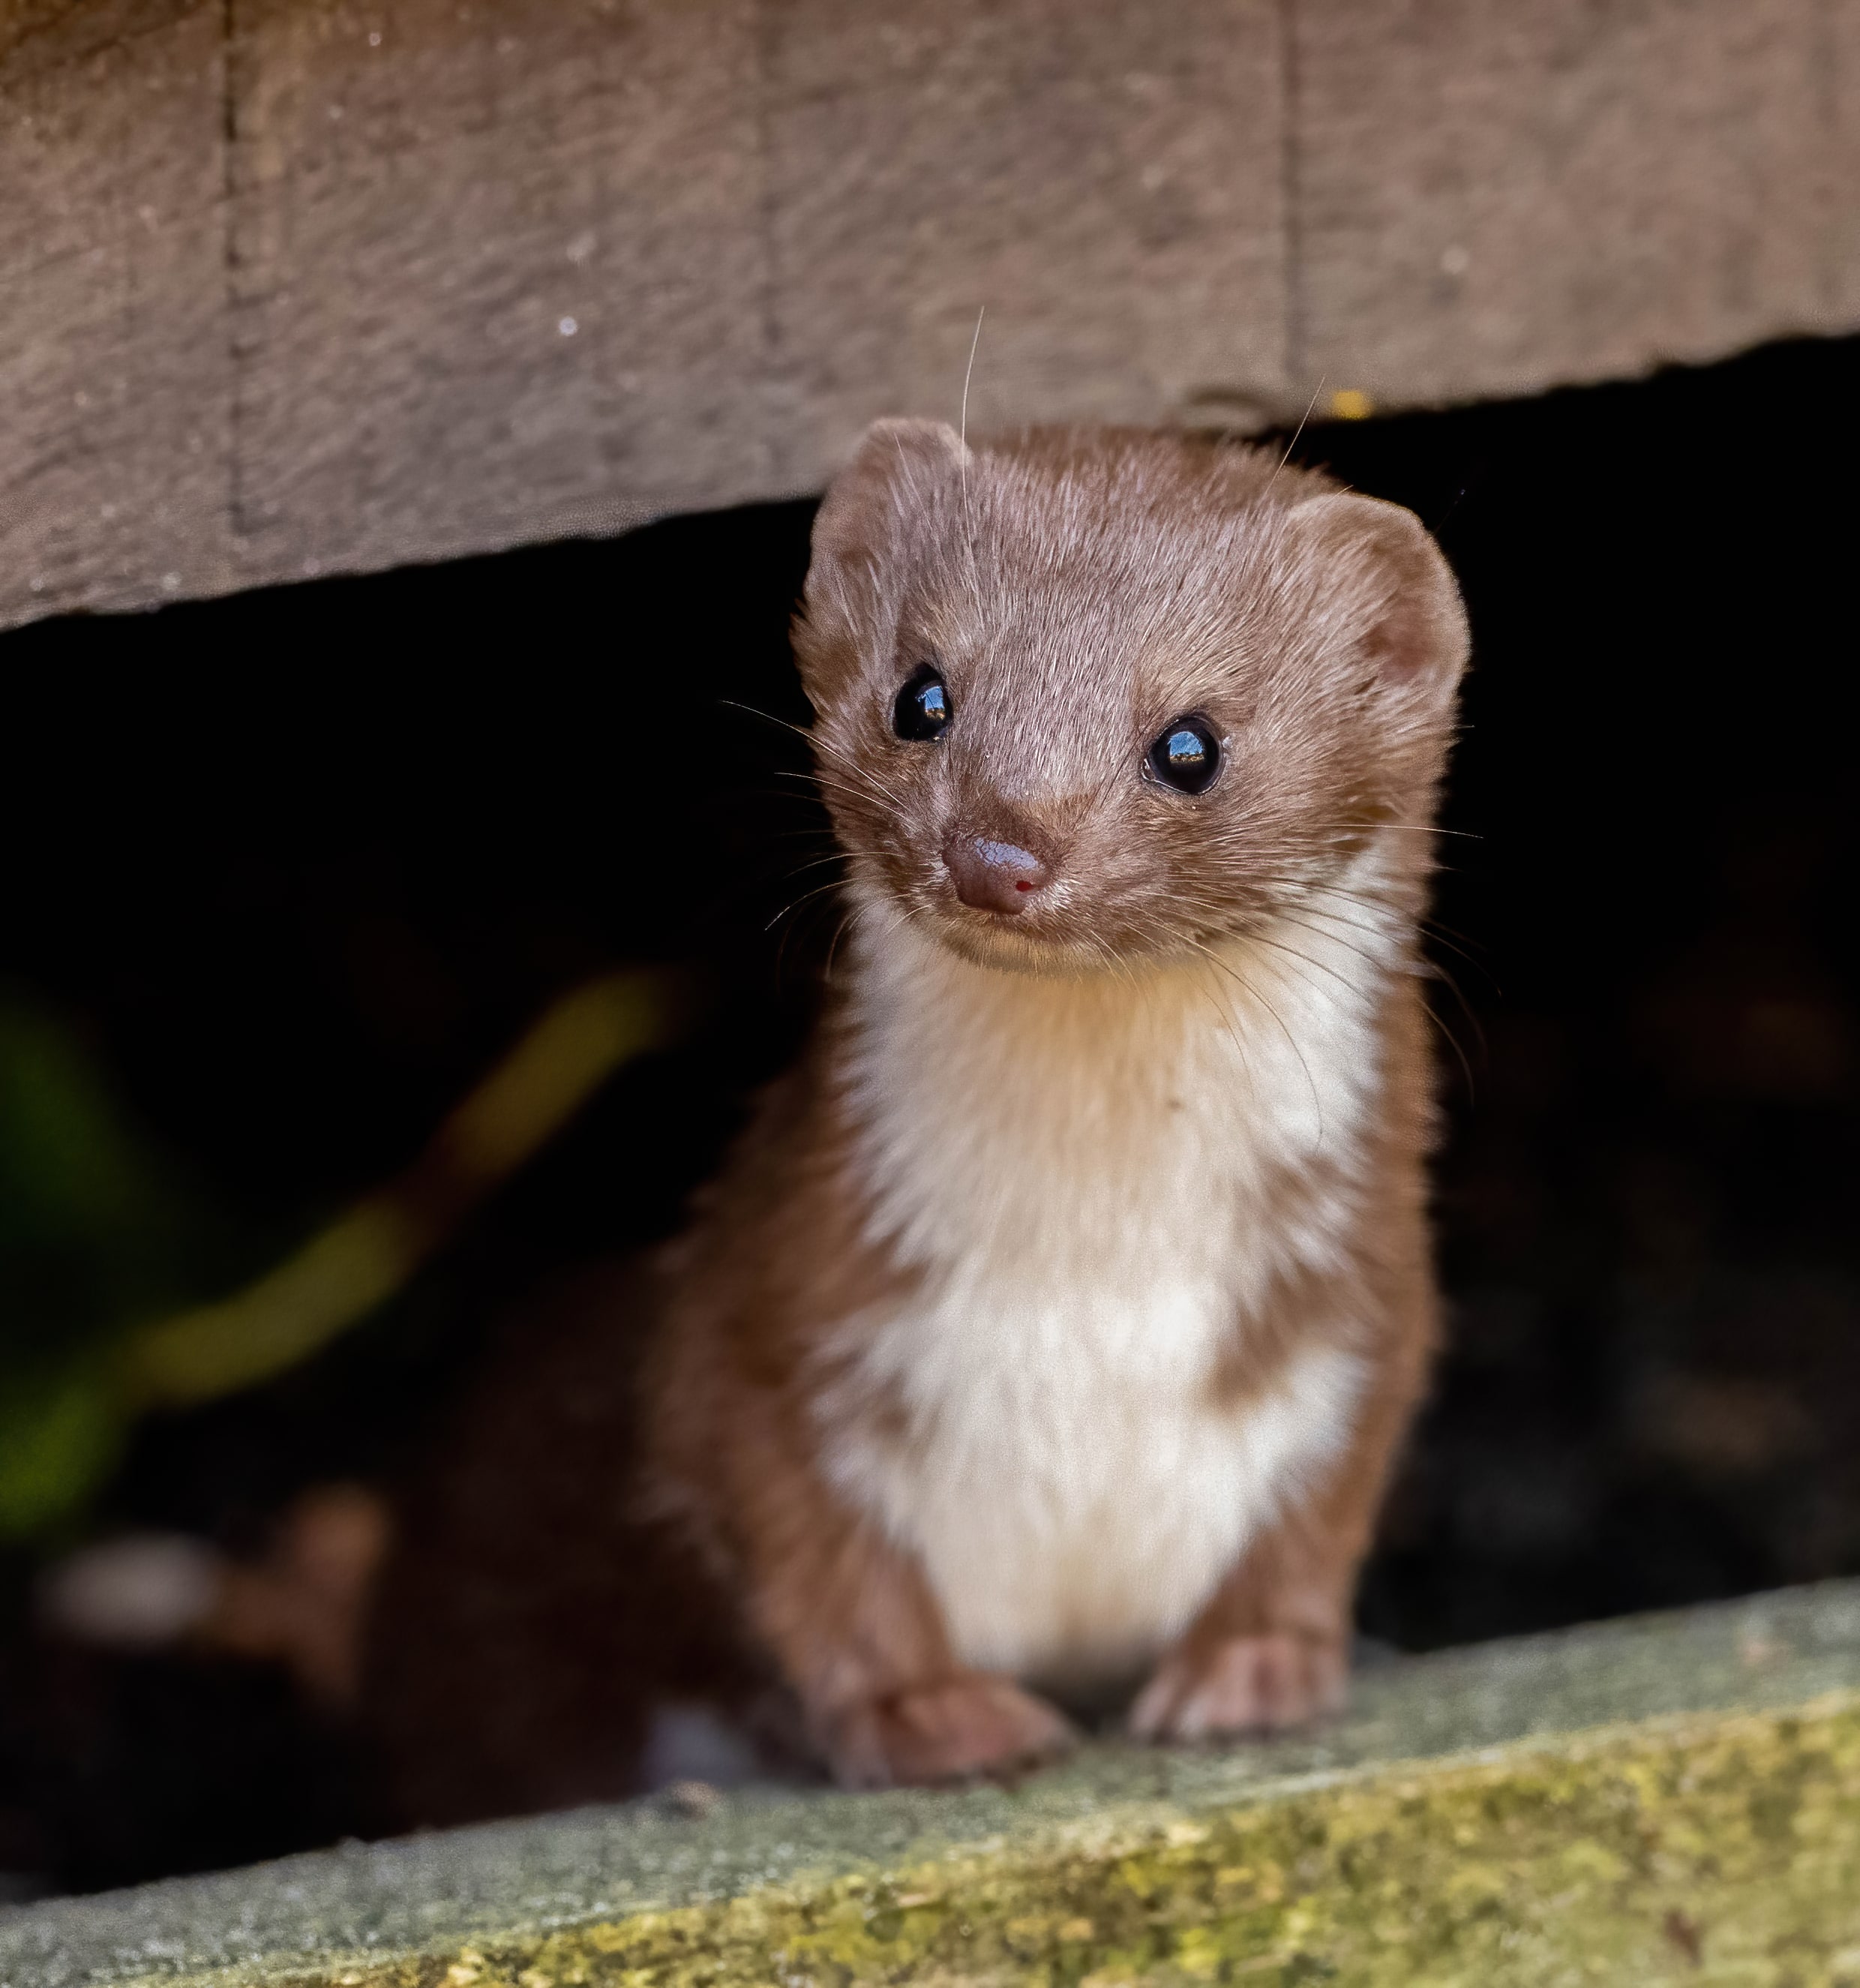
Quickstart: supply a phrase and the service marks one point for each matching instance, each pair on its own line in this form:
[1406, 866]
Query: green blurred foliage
[124, 1290]
[99, 1232]
[61, 1431]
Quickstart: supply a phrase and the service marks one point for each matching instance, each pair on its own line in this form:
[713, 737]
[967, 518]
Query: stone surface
[288, 286]
[1703, 1824]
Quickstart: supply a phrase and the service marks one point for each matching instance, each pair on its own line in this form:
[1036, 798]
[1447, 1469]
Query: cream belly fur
[1080, 1169]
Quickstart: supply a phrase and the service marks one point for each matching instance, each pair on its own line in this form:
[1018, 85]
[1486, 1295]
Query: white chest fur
[1099, 1182]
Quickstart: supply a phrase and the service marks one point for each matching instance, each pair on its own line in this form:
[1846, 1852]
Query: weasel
[1049, 1334]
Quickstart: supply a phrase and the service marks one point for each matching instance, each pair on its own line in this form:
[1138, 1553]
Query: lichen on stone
[1720, 1848]
[1671, 1799]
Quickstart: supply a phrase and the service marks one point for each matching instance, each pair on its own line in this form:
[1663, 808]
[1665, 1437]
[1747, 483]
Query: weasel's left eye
[1187, 755]
[922, 710]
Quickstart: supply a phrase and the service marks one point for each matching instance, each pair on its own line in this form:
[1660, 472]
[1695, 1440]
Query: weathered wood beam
[292, 285]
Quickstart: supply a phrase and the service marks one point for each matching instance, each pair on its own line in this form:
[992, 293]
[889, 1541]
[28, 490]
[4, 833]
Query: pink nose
[994, 875]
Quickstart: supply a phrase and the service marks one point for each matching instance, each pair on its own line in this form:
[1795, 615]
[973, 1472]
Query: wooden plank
[500, 272]
[1837, 110]
[1493, 199]
[764, 233]
[113, 366]
[292, 285]
[1104, 182]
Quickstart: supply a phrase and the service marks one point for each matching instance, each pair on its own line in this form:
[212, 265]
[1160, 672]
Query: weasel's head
[1086, 697]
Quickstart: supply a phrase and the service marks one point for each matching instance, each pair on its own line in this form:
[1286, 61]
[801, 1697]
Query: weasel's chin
[1014, 948]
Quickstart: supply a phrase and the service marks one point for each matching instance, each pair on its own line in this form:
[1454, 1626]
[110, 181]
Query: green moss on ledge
[1675, 1799]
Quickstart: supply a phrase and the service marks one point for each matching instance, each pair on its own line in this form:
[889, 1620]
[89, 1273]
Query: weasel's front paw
[963, 1728]
[1247, 1684]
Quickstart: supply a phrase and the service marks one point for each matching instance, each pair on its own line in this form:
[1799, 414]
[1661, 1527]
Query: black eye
[922, 710]
[1187, 756]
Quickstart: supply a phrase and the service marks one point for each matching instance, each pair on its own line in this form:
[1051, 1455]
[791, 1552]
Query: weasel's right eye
[1187, 755]
[922, 710]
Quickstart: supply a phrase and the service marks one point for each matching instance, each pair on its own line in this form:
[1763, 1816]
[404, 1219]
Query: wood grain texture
[292, 286]
[114, 367]
[1105, 181]
[1493, 199]
[1837, 106]
[500, 276]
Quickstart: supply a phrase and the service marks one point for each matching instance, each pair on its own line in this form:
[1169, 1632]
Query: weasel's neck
[994, 1107]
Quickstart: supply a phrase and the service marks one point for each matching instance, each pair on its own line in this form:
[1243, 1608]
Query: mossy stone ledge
[1671, 1798]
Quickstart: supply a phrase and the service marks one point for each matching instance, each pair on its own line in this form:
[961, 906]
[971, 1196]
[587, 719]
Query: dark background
[292, 868]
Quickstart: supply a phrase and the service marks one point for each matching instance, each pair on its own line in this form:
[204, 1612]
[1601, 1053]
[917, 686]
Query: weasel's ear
[898, 467]
[1384, 589]
[888, 494]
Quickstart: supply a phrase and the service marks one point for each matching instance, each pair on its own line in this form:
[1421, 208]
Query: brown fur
[1079, 590]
